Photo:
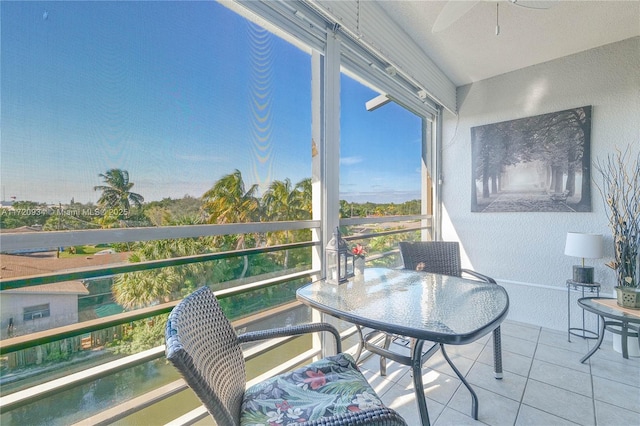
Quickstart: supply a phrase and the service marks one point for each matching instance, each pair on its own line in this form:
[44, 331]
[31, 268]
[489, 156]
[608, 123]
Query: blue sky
[89, 86]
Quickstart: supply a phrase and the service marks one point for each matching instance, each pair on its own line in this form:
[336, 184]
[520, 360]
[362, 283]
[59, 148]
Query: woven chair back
[204, 347]
[438, 257]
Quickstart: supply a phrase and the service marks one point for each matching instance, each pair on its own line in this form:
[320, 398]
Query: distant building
[41, 307]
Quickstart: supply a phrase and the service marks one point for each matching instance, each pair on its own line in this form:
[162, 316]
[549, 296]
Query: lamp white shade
[583, 245]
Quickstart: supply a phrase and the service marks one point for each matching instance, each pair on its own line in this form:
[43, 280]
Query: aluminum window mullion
[436, 155]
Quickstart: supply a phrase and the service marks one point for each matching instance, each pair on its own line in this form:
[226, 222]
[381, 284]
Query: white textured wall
[525, 251]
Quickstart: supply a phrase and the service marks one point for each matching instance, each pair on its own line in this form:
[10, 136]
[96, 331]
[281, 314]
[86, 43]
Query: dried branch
[620, 192]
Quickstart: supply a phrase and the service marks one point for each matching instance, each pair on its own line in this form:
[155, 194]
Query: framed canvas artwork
[534, 164]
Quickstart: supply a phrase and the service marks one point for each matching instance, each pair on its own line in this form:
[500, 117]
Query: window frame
[32, 313]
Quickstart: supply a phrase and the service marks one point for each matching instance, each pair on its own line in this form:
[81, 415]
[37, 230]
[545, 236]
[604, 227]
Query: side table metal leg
[583, 329]
[594, 288]
[569, 313]
[598, 343]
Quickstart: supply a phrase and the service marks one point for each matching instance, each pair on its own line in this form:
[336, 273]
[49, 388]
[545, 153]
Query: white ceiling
[469, 50]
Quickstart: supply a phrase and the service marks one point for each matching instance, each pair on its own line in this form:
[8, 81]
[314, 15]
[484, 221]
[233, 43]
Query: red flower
[359, 250]
[315, 380]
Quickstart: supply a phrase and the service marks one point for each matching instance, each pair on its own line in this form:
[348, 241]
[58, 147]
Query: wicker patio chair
[203, 346]
[437, 257]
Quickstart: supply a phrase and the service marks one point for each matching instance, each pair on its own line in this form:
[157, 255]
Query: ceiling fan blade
[534, 4]
[450, 13]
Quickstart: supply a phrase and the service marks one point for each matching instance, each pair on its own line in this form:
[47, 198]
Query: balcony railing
[28, 397]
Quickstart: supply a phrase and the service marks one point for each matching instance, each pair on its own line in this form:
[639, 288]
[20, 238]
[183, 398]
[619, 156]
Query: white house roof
[65, 287]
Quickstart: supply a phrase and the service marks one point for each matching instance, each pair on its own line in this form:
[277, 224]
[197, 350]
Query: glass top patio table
[425, 306]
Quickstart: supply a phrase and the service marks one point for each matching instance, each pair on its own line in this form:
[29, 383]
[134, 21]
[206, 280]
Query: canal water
[74, 405]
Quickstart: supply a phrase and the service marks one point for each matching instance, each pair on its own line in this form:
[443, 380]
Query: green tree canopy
[228, 201]
[116, 192]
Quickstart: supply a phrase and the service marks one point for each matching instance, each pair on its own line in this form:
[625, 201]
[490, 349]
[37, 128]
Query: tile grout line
[593, 390]
[540, 343]
[526, 383]
[488, 343]
[558, 387]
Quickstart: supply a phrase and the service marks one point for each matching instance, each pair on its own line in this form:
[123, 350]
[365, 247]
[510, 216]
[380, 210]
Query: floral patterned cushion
[325, 388]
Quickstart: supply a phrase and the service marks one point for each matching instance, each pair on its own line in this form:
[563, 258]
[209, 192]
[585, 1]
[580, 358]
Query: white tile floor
[544, 383]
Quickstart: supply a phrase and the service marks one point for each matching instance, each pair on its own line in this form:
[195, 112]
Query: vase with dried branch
[620, 190]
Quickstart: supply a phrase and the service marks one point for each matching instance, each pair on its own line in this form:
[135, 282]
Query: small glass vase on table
[358, 253]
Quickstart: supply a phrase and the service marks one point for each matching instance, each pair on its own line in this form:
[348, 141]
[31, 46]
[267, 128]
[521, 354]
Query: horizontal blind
[309, 23]
[290, 21]
[398, 89]
[368, 24]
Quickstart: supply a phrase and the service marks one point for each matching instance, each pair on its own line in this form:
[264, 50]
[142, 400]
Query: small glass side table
[580, 332]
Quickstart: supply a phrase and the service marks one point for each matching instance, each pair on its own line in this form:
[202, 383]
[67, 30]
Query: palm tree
[304, 188]
[281, 201]
[143, 288]
[228, 202]
[116, 193]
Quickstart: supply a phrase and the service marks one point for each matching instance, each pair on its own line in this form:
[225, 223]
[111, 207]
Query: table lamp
[587, 246]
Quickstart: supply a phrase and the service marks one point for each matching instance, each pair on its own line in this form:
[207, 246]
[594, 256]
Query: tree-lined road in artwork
[549, 153]
[526, 201]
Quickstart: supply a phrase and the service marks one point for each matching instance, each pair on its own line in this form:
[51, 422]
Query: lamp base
[583, 274]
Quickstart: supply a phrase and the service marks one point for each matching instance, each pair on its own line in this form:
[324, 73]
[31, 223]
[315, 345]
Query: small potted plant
[621, 193]
[358, 253]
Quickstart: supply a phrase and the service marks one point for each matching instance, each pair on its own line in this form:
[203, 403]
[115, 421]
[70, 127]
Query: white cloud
[349, 161]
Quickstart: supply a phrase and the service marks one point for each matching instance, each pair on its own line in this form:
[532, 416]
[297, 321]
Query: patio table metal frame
[441, 309]
[617, 318]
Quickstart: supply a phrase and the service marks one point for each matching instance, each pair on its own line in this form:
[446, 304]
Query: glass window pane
[146, 114]
[139, 114]
[380, 150]
[125, 113]
[380, 172]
